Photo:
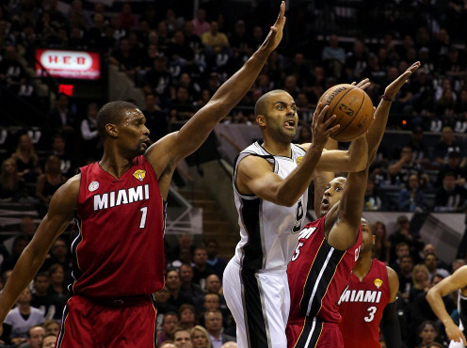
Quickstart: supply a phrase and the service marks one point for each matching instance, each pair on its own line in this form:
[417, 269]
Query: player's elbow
[431, 295]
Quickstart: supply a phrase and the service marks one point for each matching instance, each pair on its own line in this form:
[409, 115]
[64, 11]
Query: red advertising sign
[69, 64]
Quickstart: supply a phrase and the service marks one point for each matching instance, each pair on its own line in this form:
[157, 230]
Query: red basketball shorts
[120, 323]
[313, 333]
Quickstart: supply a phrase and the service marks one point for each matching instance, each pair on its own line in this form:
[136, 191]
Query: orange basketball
[353, 109]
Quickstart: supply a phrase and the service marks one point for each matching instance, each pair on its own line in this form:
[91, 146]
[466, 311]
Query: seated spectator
[188, 287]
[427, 333]
[124, 59]
[446, 105]
[182, 338]
[49, 341]
[12, 73]
[187, 315]
[200, 337]
[412, 197]
[12, 187]
[382, 246]
[420, 153]
[201, 269]
[92, 143]
[403, 234]
[182, 107]
[452, 166]
[199, 24]
[51, 327]
[57, 286]
[174, 284]
[168, 326]
[334, 57]
[400, 170]
[446, 144]
[162, 306]
[216, 263]
[20, 319]
[156, 120]
[240, 41]
[50, 181]
[179, 51]
[420, 281]
[68, 165]
[26, 160]
[34, 337]
[405, 276]
[213, 324]
[450, 197]
[215, 41]
[431, 263]
[373, 199]
[41, 299]
[59, 253]
[61, 118]
[19, 244]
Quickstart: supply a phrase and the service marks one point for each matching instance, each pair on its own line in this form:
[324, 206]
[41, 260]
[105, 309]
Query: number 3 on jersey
[371, 314]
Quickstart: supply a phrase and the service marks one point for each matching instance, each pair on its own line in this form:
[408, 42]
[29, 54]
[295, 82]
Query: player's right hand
[320, 128]
[454, 333]
[275, 34]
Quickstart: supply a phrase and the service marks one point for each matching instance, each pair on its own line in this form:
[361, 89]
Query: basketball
[353, 109]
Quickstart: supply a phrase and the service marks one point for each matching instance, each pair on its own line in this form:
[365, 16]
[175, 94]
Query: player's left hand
[397, 84]
[275, 34]
[363, 84]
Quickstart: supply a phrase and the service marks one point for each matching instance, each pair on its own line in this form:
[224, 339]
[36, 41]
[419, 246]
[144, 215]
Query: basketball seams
[337, 103]
[353, 120]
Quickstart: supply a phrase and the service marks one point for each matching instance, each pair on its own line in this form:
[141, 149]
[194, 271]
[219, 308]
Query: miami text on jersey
[126, 196]
[361, 296]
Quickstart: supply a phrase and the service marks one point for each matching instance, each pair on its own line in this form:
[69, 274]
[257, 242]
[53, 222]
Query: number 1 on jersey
[144, 214]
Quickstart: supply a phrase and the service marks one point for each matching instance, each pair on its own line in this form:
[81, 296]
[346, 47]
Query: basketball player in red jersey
[370, 299]
[119, 203]
[328, 248]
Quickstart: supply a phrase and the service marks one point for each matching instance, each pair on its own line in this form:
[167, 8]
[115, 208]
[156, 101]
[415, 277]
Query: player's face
[368, 237]
[282, 118]
[133, 133]
[332, 194]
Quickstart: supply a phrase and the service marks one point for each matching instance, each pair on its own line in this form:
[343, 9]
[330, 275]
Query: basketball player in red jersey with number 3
[328, 248]
[370, 299]
[119, 205]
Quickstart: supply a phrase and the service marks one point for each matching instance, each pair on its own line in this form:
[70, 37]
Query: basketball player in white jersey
[270, 183]
[456, 281]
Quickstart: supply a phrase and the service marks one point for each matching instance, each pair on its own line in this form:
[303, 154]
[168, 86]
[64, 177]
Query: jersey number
[296, 254]
[144, 215]
[371, 314]
[298, 223]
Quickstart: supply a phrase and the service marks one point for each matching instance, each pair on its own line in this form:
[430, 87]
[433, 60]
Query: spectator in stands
[431, 262]
[200, 337]
[26, 160]
[19, 244]
[452, 166]
[182, 338]
[333, 57]
[373, 200]
[427, 333]
[125, 59]
[420, 153]
[182, 107]
[446, 144]
[187, 315]
[49, 341]
[446, 105]
[450, 197]
[240, 41]
[213, 324]
[40, 295]
[57, 281]
[158, 79]
[179, 51]
[192, 39]
[12, 186]
[92, 144]
[60, 254]
[382, 246]
[216, 263]
[188, 287]
[412, 197]
[420, 281]
[34, 337]
[27, 229]
[174, 284]
[51, 327]
[400, 170]
[357, 62]
[12, 73]
[68, 165]
[156, 120]
[20, 319]
[200, 26]
[214, 40]
[403, 234]
[201, 269]
[61, 118]
[50, 180]
[168, 326]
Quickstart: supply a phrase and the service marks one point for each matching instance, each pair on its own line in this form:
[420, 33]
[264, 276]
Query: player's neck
[363, 266]
[115, 165]
[277, 148]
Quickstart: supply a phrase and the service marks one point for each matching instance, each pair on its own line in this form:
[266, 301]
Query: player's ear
[111, 129]
[261, 120]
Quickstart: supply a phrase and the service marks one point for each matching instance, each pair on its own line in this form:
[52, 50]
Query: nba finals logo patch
[139, 174]
[93, 186]
[378, 282]
[299, 159]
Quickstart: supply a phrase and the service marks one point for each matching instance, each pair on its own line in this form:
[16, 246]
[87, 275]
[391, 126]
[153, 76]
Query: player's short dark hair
[260, 106]
[112, 112]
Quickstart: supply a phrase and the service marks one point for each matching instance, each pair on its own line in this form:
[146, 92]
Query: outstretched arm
[61, 212]
[165, 154]
[254, 174]
[376, 131]
[435, 295]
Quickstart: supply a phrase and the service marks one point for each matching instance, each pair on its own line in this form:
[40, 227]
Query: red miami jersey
[119, 250]
[318, 273]
[362, 305]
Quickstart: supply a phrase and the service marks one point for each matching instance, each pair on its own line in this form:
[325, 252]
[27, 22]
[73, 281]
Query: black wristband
[386, 98]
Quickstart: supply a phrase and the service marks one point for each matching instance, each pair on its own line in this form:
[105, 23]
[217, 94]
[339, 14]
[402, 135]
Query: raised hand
[275, 34]
[396, 85]
[363, 84]
[320, 128]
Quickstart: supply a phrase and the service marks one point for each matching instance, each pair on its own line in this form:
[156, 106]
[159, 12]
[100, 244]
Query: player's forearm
[24, 271]
[437, 305]
[351, 204]
[296, 183]
[376, 131]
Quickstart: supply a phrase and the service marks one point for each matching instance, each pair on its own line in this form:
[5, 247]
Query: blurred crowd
[179, 55]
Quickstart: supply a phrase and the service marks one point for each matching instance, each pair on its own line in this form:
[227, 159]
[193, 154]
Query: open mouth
[289, 124]
[325, 204]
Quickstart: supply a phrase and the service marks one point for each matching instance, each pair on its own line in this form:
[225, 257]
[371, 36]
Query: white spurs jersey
[268, 232]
